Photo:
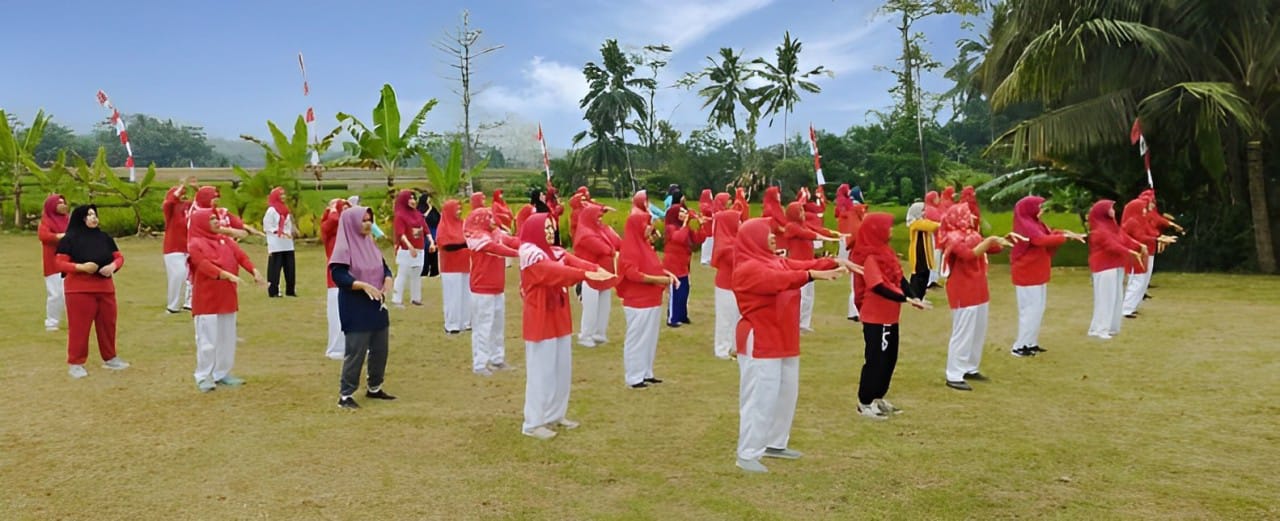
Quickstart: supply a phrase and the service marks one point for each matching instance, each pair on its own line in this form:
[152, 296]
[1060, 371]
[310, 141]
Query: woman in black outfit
[430, 268]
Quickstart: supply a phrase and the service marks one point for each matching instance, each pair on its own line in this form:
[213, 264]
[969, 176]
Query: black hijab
[85, 244]
[535, 199]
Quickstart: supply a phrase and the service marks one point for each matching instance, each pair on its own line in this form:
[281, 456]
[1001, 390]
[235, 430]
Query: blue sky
[231, 65]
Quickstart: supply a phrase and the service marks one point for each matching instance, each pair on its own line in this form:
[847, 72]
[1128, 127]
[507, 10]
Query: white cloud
[547, 86]
[680, 24]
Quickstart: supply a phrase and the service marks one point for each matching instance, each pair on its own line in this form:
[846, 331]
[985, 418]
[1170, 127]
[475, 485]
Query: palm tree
[727, 92]
[785, 83]
[1201, 72]
[610, 100]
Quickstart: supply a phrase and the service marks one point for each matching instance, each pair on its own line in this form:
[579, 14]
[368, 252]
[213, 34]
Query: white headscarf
[915, 212]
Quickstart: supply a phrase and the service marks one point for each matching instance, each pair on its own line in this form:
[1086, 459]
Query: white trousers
[1031, 300]
[548, 371]
[842, 251]
[408, 271]
[55, 302]
[179, 290]
[934, 274]
[1137, 287]
[456, 289]
[853, 306]
[968, 334]
[641, 344]
[767, 393]
[727, 318]
[1108, 300]
[487, 343]
[595, 315]
[707, 245]
[806, 306]
[336, 349]
[215, 346]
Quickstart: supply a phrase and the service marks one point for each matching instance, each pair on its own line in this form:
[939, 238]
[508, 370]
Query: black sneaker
[673, 325]
[452, 332]
[171, 311]
[855, 319]
[348, 402]
[1146, 296]
[1131, 315]
[686, 321]
[652, 381]
[959, 386]
[378, 395]
[977, 377]
[1038, 349]
[640, 385]
[1022, 352]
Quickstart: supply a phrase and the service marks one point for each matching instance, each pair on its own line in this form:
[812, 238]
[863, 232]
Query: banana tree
[92, 178]
[447, 181]
[56, 178]
[294, 155]
[132, 194]
[383, 147]
[13, 152]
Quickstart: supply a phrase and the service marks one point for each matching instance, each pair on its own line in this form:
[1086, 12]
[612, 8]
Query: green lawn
[1174, 419]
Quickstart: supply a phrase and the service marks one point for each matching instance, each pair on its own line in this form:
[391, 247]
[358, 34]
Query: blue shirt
[357, 312]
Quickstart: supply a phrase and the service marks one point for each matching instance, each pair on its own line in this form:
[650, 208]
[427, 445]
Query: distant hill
[239, 152]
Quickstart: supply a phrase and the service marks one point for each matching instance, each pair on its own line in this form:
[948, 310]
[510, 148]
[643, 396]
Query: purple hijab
[358, 252]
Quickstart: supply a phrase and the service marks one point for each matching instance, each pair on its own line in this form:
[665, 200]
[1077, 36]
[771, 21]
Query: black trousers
[920, 272]
[879, 360]
[431, 266]
[275, 262]
[373, 343]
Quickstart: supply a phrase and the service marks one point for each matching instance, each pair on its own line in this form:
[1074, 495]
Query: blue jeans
[678, 310]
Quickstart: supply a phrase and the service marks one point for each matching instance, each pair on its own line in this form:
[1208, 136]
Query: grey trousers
[358, 344]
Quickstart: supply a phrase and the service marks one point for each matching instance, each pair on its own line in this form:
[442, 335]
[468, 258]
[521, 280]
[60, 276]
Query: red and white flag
[118, 122]
[1136, 138]
[817, 158]
[546, 159]
[310, 116]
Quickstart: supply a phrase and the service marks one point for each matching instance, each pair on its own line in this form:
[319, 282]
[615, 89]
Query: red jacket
[488, 264]
[769, 301]
[48, 248]
[79, 282]
[209, 294]
[874, 308]
[1032, 267]
[678, 249]
[967, 284]
[637, 259]
[175, 220]
[329, 234]
[543, 288]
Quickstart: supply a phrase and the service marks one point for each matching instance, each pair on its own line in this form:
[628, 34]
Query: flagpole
[546, 159]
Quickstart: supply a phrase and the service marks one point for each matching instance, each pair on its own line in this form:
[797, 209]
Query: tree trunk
[1258, 206]
[17, 200]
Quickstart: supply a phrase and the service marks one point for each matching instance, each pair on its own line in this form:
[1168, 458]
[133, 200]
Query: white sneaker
[50, 328]
[600, 340]
[885, 408]
[753, 466]
[587, 343]
[501, 366]
[1102, 336]
[483, 372]
[770, 452]
[115, 364]
[541, 433]
[77, 371]
[871, 413]
[567, 424]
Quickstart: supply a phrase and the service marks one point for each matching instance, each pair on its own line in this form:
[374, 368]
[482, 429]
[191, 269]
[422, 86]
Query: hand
[387, 284]
[107, 270]
[1167, 239]
[413, 253]
[825, 274]
[373, 293]
[1001, 241]
[258, 280]
[850, 266]
[1140, 256]
[87, 267]
[433, 247]
[1015, 237]
[231, 277]
[1143, 249]
[919, 303]
[1073, 235]
[598, 275]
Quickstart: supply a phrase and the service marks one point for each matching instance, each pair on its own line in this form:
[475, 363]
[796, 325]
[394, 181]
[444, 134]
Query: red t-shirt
[1108, 250]
[967, 284]
[769, 301]
[79, 282]
[798, 240]
[544, 289]
[175, 222]
[1141, 231]
[329, 234]
[678, 249]
[873, 308]
[210, 295]
[634, 291]
[48, 248]
[489, 267]
[457, 261]
[1032, 268]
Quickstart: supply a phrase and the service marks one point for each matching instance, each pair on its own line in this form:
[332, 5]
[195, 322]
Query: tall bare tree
[463, 46]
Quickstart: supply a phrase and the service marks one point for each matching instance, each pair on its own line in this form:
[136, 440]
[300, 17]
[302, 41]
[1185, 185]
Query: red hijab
[752, 245]
[640, 203]
[873, 243]
[741, 205]
[636, 249]
[534, 247]
[957, 229]
[276, 201]
[706, 203]
[726, 224]
[203, 243]
[720, 203]
[844, 202]
[449, 233]
[773, 207]
[478, 228]
[477, 200]
[970, 199]
[56, 222]
[407, 216]
[1100, 222]
[1027, 223]
[932, 211]
[948, 198]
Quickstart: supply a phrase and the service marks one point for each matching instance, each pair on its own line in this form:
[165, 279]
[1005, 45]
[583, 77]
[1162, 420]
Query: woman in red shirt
[1137, 224]
[329, 220]
[1029, 263]
[596, 243]
[409, 231]
[455, 269]
[546, 273]
[490, 247]
[798, 237]
[726, 230]
[707, 208]
[676, 256]
[850, 210]
[176, 206]
[53, 226]
[882, 288]
[1109, 251]
[643, 280]
[964, 262]
[767, 289]
[215, 261]
[88, 258]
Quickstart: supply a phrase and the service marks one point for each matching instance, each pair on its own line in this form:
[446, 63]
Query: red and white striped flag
[118, 122]
[1136, 138]
[310, 116]
[817, 158]
[546, 159]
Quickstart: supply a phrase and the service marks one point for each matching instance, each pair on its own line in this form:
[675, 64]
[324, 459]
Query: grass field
[1174, 419]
